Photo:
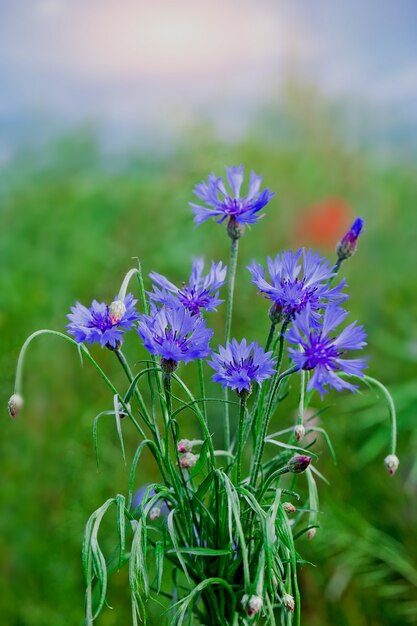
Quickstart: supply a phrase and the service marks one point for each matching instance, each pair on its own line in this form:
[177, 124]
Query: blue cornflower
[297, 280]
[175, 335]
[239, 364]
[320, 349]
[347, 245]
[200, 293]
[223, 205]
[101, 323]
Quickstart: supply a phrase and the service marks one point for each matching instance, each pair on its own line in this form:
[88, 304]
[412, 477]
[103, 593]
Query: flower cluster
[201, 293]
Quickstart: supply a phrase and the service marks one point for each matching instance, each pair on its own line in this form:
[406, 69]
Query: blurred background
[110, 112]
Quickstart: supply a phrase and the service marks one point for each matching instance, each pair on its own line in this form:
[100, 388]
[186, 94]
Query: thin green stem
[200, 366]
[231, 276]
[125, 365]
[300, 416]
[240, 439]
[270, 336]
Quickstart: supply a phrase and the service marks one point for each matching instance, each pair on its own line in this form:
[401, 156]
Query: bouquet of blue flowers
[215, 538]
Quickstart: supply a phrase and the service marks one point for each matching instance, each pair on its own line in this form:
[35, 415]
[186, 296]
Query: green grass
[70, 227]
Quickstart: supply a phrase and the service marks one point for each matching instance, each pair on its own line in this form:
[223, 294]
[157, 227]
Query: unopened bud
[288, 507]
[116, 311]
[252, 605]
[154, 513]
[188, 460]
[391, 463]
[288, 601]
[169, 365]
[234, 229]
[311, 533]
[299, 432]
[347, 245]
[299, 463]
[184, 445]
[15, 404]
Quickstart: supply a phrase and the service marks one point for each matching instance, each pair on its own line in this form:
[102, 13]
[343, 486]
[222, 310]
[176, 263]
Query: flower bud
[311, 533]
[288, 507]
[154, 513]
[184, 445]
[253, 605]
[299, 432]
[288, 601]
[391, 463]
[347, 245]
[234, 229]
[275, 313]
[15, 404]
[299, 463]
[188, 460]
[169, 365]
[116, 311]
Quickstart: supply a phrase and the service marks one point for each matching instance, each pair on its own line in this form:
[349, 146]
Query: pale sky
[139, 64]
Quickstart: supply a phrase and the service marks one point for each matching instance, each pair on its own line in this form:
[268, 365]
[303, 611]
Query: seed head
[299, 463]
[116, 311]
[288, 507]
[288, 601]
[299, 432]
[15, 404]
[188, 460]
[391, 463]
[252, 605]
[184, 445]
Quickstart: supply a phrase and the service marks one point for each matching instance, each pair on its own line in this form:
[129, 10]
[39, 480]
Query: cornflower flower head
[321, 349]
[239, 364]
[347, 245]
[101, 323]
[175, 335]
[201, 293]
[223, 204]
[296, 280]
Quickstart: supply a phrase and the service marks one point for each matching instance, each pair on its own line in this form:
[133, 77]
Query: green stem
[264, 426]
[122, 360]
[231, 276]
[300, 416]
[270, 336]
[202, 388]
[240, 439]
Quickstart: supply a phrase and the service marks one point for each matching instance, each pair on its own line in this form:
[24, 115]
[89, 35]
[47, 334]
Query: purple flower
[238, 364]
[320, 349]
[101, 323]
[200, 293]
[347, 245]
[222, 204]
[175, 335]
[297, 280]
[138, 501]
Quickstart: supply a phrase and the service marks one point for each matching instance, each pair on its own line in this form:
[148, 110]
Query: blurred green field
[72, 224]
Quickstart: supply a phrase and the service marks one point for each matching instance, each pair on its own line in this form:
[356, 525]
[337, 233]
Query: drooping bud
[288, 601]
[252, 605]
[391, 463]
[154, 513]
[169, 365]
[288, 507]
[299, 432]
[188, 460]
[275, 313]
[347, 245]
[184, 445]
[311, 533]
[116, 311]
[234, 229]
[299, 463]
[15, 405]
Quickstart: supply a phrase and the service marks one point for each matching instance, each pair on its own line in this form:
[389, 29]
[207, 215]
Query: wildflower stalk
[146, 417]
[270, 336]
[257, 459]
[202, 388]
[238, 457]
[231, 276]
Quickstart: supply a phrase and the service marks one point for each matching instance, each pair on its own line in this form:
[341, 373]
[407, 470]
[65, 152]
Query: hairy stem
[231, 275]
